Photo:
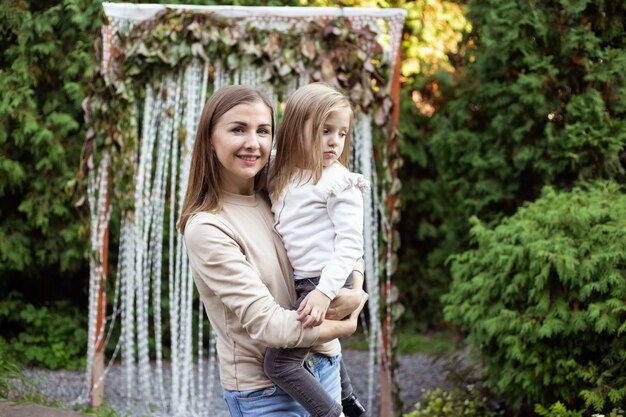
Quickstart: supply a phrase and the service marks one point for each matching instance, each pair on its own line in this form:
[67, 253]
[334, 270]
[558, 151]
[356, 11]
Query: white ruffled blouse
[321, 226]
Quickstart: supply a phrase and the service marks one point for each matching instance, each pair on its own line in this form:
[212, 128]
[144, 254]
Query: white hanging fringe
[364, 161]
[97, 196]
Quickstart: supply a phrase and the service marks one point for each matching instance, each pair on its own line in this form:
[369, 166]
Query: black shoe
[352, 407]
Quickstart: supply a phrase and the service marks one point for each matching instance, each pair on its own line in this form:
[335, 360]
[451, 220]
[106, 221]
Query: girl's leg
[346, 384]
[284, 368]
[352, 407]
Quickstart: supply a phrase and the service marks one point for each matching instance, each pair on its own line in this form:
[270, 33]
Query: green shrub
[556, 410]
[53, 337]
[543, 298]
[559, 410]
[468, 402]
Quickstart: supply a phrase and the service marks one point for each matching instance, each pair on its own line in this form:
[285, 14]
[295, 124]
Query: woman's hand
[332, 329]
[345, 302]
[348, 300]
[353, 318]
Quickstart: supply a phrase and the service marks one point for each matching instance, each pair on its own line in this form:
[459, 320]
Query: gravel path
[415, 372]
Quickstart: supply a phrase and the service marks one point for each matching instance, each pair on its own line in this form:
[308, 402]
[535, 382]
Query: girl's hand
[312, 309]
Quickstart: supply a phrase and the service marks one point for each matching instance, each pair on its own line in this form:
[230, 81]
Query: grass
[102, 410]
[14, 386]
[439, 343]
[17, 388]
[435, 343]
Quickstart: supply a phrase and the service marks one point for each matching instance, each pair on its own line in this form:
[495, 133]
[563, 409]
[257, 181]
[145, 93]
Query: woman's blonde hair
[299, 143]
[204, 189]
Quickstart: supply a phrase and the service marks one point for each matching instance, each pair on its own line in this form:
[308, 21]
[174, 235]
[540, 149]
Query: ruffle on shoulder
[347, 181]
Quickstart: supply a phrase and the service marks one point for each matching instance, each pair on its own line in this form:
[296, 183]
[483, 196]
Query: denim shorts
[274, 402]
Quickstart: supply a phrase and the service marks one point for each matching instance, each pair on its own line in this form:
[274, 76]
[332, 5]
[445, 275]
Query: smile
[248, 157]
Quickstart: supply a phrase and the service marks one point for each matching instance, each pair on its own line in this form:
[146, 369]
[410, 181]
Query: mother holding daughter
[240, 266]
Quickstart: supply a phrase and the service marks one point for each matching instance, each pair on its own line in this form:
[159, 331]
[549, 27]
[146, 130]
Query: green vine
[347, 57]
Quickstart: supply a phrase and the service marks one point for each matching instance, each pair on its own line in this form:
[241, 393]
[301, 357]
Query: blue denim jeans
[274, 402]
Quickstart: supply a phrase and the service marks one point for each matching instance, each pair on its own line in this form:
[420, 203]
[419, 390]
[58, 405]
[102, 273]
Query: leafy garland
[347, 57]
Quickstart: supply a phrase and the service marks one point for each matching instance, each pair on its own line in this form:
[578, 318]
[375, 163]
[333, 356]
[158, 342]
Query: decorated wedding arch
[158, 65]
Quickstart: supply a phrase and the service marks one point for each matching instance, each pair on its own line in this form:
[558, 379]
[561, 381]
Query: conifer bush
[46, 60]
[542, 297]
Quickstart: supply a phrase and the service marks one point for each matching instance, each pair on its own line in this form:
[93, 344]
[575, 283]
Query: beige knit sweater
[245, 281]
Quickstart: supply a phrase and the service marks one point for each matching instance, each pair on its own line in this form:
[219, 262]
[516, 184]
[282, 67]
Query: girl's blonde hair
[299, 138]
[204, 190]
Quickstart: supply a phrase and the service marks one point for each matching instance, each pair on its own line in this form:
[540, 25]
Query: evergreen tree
[45, 65]
[539, 98]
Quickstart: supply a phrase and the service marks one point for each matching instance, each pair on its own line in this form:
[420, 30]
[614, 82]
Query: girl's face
[242, 139]
[335, 132]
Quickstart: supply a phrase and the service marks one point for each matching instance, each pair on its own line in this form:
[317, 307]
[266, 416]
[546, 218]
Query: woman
[239, 264]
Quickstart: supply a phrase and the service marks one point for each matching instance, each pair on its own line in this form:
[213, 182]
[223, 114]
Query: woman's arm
[347, 299]
[221, 270]
[332, 329]
[358, 275]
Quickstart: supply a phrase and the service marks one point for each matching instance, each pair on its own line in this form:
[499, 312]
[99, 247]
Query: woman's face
[242, 140]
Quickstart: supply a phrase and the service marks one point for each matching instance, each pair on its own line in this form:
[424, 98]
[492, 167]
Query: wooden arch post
[386, 397]
[96, 391]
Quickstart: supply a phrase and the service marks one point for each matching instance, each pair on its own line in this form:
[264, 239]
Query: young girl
[318, 211]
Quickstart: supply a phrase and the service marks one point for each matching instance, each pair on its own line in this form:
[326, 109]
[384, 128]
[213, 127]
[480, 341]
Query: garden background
[513, 216]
